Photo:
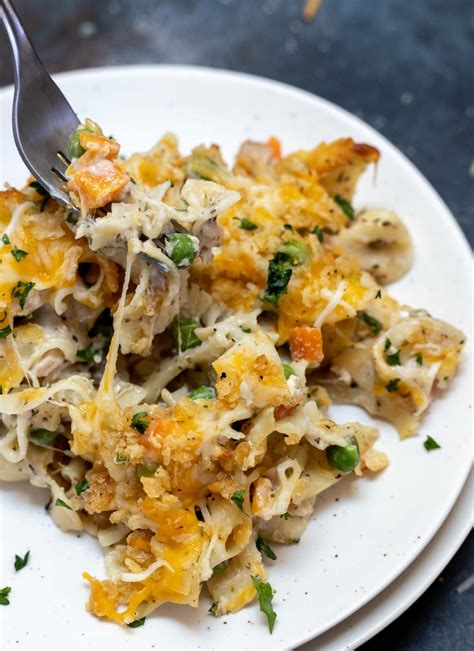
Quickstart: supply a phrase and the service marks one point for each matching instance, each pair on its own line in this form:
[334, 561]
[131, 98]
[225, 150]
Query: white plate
[352, 549]
[404, 591]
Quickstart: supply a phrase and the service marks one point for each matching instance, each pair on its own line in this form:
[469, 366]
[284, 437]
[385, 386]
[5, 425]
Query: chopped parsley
[286, 515]
[43, 436]
[87, 354]
[184, 333]
[378, 294]
[287, 371]
[220, 569]
[20, 562]
[238, 499]
[419, 359]
[21, 291]
[103, 330]
[279, 274]
[212, 609]
[5, 239]
[140, 421]
[393, 359]
[81, 486]
[294, 541]
[264, 548]
[387, 344]
[345, 206]
[246, 224]
[288, 227]
[4, 332]
[60, 502]
[4, 592]
[431, 444]
[246, 330]
[373, 323]
[265, 596]
[319, 233]
[137, 623]
[120, 458]
[392, 386]
[18, 254]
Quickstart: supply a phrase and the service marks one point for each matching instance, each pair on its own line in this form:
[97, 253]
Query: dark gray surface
[404, 66]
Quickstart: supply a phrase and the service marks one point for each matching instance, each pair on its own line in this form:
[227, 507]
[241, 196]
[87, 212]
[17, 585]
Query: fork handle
[20, 45]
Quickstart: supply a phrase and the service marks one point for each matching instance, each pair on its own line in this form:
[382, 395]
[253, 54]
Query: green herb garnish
[20, 562]
[392, 386]
[43, 436]
[264, 548]
[345, 206]
[419, 359]
[18, 254]
[184, 333]
[287, 371]
[393, 359]
[140, 421]
[81, 486]
[265, 596]
[387, 344]
[4, 332]
[246, 224]
[378, 294]
[87, 354]
[319, 233]
[137, 623]
[238, 499]
[286, 515]
[5, 239]
[220, 569]
[21, 291]
[4, 592]
[373, 323]
[431, 444]
[60, 502]
[279, 274]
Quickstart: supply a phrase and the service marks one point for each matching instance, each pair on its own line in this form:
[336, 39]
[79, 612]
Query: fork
[42, 117]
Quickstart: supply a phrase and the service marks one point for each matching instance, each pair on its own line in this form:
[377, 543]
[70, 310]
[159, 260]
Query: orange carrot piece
[306, 343]
[275, 147]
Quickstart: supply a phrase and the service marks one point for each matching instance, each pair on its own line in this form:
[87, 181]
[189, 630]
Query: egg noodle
[170, 345]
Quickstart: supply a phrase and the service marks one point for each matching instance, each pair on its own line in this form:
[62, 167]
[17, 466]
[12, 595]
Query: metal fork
[42, 117]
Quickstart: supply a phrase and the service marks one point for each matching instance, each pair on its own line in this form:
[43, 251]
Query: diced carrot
[98, 184]
[107, 147]
[275, 146]
[306, 343]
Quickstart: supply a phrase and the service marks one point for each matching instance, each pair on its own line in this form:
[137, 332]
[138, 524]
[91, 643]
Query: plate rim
[328, 106]
[446, 550]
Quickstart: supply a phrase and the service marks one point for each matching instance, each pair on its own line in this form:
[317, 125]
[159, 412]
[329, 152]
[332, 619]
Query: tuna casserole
[171, 343]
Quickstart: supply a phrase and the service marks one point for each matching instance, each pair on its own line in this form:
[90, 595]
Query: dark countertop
[404, 67]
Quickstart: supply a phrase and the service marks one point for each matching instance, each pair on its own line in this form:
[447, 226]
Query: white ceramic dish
[404, 591]
[353, 548]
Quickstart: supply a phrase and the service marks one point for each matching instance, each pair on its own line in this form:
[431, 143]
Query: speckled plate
[364, 532]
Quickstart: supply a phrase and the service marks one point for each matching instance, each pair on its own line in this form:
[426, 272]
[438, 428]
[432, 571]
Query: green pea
[146, 469]
[203, 393]
[181, 249]
[344, 458]
[296, 251]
